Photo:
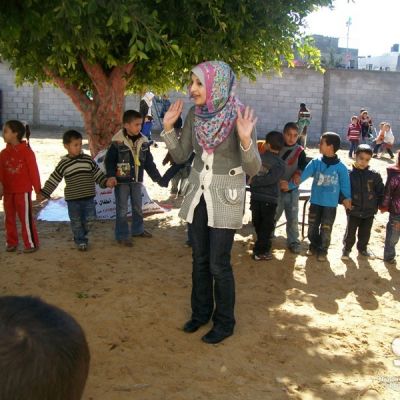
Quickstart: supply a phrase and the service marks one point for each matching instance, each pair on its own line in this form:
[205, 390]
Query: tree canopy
[160, 40]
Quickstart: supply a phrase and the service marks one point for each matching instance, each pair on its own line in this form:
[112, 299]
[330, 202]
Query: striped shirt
[80, 174]
[353, 132]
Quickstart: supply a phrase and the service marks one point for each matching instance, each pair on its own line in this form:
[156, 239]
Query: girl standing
[222, 135]
[18, 174]
[303, 120]
[391, 203]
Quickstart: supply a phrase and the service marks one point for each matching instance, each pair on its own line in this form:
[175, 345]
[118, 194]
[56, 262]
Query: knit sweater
[18, 169]
[219, 176]
[80, 174]
[354, 132]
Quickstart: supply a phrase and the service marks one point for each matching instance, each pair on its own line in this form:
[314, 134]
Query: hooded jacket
[367, 191]
[391, 199]
[18, 169]
[127, 158]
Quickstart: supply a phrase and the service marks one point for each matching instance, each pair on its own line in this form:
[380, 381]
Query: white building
[386, 62]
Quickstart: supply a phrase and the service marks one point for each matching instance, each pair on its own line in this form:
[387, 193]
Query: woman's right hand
[171, 116]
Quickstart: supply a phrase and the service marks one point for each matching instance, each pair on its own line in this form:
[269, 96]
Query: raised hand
[173, 113]
[245, 124]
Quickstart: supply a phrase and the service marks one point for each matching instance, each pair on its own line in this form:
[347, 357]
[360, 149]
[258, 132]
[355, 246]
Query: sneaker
[294, 248]
[366, 253]
[321, 257]
[144, 234]
[345, 255]
[11, 248]
[126, 242]
[262, 257]
[309, 252]
[30, 249]
[82, 247]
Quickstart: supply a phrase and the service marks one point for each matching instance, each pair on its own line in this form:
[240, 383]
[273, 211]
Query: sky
[374, 25]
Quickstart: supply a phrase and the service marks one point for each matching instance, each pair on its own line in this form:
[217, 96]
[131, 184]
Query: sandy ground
[305, 330]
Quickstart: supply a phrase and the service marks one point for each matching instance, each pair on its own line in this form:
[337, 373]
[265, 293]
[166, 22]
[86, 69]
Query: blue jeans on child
[353, 147]
[82, 213]
[289, 202]
[124, 191]
[320, 222]
[392, 237]
[212, 276]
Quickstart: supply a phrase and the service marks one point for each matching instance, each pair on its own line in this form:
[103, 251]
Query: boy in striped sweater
[353, 135]
[80, 173]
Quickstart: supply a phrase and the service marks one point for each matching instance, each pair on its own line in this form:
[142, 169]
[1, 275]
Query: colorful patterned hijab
[215, 120]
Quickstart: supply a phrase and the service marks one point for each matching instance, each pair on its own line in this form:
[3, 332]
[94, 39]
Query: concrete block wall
[351, 90]
[17, 102]
[56, 108]
[332, 98]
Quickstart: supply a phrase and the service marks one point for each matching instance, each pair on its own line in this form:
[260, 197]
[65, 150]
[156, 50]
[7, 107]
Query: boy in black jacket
[264, 188]
[367, 190]
[127, 158]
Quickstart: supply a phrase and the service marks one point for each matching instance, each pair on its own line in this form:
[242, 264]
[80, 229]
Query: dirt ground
[305, 330]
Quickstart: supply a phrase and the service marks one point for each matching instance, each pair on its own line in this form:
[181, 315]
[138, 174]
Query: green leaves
[163, 39]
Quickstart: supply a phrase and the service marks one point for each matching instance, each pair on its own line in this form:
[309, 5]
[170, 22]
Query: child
[44, 352]
[126, 160]
[365, 122]
[391, 203]
[295, 161]
[353, 135]
[147, 125]
[303, 120]
[264, 188]
[379, 139]
[80, 173]
[388, 140]
[331, 178]
[366, 195]
[18, 174]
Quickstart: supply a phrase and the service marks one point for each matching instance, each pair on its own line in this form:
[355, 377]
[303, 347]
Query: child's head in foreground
[329, 144]
[291, 133]
[44, 353]
[132, 122]
[363, 156]
[72, 141]
[274, 141]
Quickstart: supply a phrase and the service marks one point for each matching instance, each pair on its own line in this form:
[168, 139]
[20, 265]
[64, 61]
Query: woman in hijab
[221, 132]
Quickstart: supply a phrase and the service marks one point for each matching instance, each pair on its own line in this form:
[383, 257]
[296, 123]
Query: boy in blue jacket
[331, 178]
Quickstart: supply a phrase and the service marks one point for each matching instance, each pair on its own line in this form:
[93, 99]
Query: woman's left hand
[245, 124]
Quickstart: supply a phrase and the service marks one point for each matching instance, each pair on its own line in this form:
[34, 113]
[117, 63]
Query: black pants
[320, 222]
[212, 275]
[364, 226]
[263, 217]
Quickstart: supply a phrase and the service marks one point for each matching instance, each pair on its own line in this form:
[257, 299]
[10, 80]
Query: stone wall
[331, 97]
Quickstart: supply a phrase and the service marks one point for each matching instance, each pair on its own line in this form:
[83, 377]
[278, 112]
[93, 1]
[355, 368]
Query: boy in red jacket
[353, 135]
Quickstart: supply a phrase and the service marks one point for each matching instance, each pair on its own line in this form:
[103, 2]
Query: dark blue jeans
[320, 222]
[124, 192]
[353, 147]
[82, 213]
[212, 276]
[392, 237]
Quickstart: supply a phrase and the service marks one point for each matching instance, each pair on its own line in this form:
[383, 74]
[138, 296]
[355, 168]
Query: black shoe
[192, 326]
[214, 337]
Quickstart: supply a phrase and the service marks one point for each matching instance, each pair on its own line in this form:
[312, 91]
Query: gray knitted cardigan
[220, 176]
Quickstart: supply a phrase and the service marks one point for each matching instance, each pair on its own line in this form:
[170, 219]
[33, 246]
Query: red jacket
[353, 132]
[18, 169]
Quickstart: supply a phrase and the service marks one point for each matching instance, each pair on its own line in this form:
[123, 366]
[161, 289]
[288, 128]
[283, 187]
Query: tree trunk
[102, 115]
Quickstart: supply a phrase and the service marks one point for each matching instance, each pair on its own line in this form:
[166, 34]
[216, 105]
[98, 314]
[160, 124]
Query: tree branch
[122, 72]
[78, 98]
[96, 75]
